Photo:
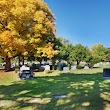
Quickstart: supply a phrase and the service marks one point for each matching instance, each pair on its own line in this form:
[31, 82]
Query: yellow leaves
[39, 16]
[9, 54]
[38, 29]
[6, 50]
[35, 40]
[23, 9]
[39, 52]
[24, 25]
[18, 45]
[5, 6]
[49, 51]
[39, 26]
[46, 51]
[25, 53]
[1, 26]
[10, 44]
[11, 25]
[6, 37]
[3, 3]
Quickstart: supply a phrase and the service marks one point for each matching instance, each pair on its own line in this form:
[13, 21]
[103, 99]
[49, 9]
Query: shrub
[80, 67]
[47, 71]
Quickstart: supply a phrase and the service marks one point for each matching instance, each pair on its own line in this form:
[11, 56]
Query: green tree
[80, 53]
[98, 53]
[108, 54]
[57, 45]
[64, 49]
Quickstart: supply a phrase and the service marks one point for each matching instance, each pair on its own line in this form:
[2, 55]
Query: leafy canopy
[98, 52]
[80, 53]
[24, 27]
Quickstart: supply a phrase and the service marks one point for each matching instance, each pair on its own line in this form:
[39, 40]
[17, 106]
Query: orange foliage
[24, 25]
[49, 51]
[10, 45]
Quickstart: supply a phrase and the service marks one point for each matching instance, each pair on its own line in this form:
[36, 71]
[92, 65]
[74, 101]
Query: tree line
[78, 52]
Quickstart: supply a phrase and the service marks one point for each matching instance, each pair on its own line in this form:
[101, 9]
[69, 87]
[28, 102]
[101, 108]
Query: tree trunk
[53, 64]
[8, 64]
[40, 62]
[78, 63]
[22, 60]
[19, 61]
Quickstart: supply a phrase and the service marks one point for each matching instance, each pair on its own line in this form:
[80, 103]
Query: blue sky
[82, 21]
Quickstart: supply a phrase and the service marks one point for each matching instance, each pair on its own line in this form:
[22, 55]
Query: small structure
[66, 69]
[107, 63]
[60, 65]
[73, 68]
[104, 65]
[26, 74]
[59, 96]
[96, 65]
[86, 67]
[106, 73]
[47, 67]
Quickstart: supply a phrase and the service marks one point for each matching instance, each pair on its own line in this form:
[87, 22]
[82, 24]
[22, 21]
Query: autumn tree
[25, 26]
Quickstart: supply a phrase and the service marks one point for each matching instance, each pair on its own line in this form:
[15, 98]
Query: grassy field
[84, 90]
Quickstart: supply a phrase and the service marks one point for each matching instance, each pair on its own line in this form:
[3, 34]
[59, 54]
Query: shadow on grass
[83, 91]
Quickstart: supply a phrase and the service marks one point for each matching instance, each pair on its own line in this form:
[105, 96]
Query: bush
[80, 67]
[47, 71]
[90, 65]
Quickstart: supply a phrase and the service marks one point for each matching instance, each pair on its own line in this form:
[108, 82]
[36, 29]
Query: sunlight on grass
[62, 101]
[89, 71]
[24, 92]
[7, 103]
[107, 106]
[7, 77]
[85, 104]
[83, 91]
[105, 96]
[71, 94]
[39, 100]
[82, 85]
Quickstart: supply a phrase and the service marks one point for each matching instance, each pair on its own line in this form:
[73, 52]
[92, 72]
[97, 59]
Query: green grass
[85, 90]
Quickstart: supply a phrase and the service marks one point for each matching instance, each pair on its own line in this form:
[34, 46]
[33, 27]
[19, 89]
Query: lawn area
[84, 90]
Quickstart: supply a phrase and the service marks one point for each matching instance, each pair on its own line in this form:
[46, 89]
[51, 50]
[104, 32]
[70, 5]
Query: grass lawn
[84, 90]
